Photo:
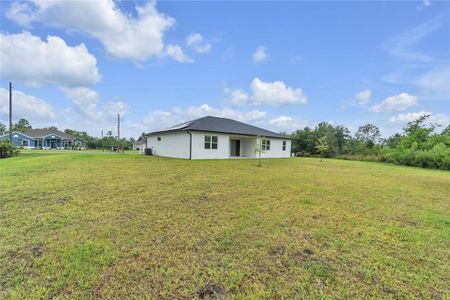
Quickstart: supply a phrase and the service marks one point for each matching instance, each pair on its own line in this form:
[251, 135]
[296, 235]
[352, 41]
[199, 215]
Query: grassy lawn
[115, 226]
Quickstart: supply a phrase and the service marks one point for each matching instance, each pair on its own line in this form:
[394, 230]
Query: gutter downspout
[190, 144]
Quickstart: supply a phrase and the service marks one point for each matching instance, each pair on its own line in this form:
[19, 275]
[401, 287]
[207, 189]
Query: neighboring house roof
[140, 140]
[16, 132]
[221, 125]
[41, 133]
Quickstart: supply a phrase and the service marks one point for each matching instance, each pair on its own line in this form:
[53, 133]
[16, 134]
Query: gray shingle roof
[221, 125]
[40, 133]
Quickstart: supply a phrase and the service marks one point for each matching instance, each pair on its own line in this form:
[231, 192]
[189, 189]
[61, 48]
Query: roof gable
[41, 133]
[222, 125]
[17, 133]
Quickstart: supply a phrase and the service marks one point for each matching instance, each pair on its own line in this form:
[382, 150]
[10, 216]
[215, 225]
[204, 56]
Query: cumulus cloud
[196, 42]
[275, 93]
[399, 102]
[270, 93]
[237, 96]
[260, 55]
[111, 109]
[158, 119]
[86, 101]
[288, 123]
[26, 106]
[408, 117]
[138, 37]
[175, 52]
[439, 118]
[29, 59]
[363, 97]
[205, 110]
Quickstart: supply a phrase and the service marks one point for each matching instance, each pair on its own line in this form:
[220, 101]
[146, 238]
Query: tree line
[420, 144]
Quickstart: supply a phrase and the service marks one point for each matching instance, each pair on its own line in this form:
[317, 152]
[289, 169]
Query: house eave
[221, 132]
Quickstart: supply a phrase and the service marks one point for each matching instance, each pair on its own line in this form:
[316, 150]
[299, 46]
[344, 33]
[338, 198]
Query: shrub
[7, 149]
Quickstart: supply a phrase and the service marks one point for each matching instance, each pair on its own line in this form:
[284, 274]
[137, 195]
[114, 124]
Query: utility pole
[118, 131]
[118, 127]
[10, 112]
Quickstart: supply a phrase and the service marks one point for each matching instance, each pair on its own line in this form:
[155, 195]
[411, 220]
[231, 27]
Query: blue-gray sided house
[45, 139]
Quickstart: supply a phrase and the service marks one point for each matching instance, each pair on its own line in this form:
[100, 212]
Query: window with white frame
[24, 143]
[265, 145]
[284, 145]
[211, 141]
[158, 139]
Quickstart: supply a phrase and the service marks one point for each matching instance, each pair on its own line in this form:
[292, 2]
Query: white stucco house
[217, 138]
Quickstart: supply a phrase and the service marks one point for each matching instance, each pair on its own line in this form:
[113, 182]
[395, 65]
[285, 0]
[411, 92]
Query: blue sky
[278, 65]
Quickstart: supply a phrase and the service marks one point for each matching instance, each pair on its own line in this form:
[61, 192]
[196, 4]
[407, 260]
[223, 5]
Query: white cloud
[160, 119]
[435, 83]
[111, 109]
[424, 4]
[205, 110]
[195, 41]
[403, 44]
[275, 93]
[270, 93]
[238, 96]
[260, 55]
[408, 117]
[288, 123]
[439, 118]
[29, 59]
[26, 106]
[84, 99]
[138, 37]
[175, 52]
[363, 97]
[281, 121]
[395, 103]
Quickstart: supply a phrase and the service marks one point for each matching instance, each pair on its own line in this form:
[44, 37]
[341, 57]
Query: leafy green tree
[341, 138]
[446, 131]
[259, 148]
[322, 146]
[393, 140]
[418, 132]
[303, 142]
[368, 133]
[2, 128]
[22, 125]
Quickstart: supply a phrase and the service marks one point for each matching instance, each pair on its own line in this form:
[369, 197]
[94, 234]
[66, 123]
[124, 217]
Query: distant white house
[139, 144]
[215, 138]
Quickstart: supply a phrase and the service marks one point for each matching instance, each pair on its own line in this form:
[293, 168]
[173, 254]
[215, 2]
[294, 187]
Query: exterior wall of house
[198, 146]
[139, 146]
[178, 145]
[76, 144]
[248, 147]
[171, 144]
[276, 148]
[20, 140]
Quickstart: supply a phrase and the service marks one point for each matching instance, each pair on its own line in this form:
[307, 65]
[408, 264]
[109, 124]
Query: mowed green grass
[128, 226]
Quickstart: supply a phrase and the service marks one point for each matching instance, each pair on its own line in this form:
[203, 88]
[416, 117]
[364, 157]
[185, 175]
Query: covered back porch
[53, 142]
[242, 146]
